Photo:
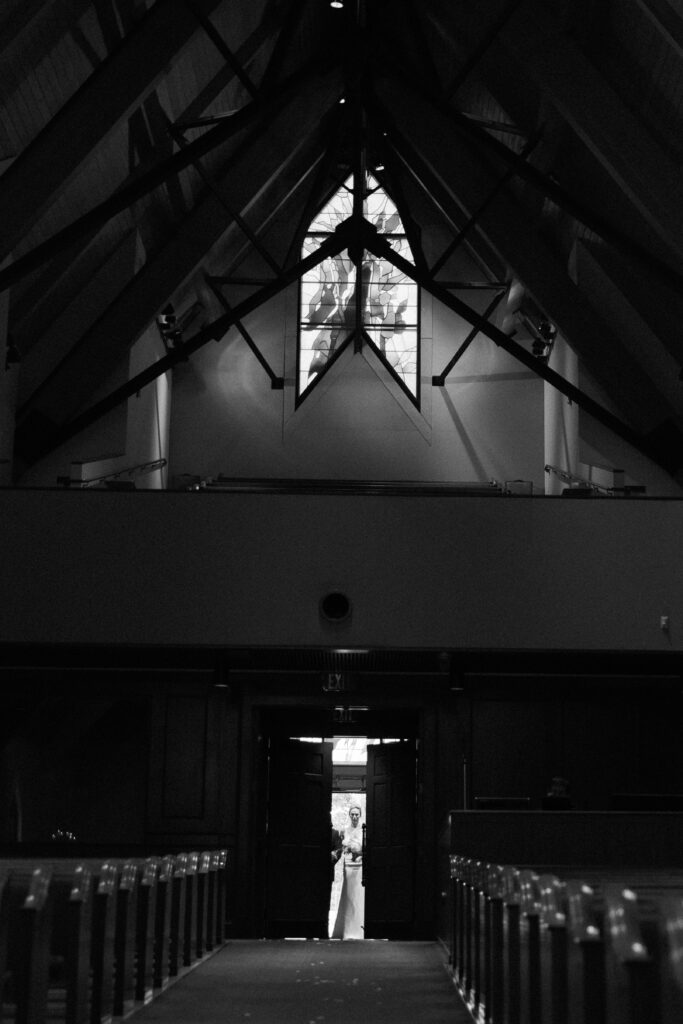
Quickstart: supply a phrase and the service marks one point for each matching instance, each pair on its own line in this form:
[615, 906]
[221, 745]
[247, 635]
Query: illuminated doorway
[307, 796]
[347, 893]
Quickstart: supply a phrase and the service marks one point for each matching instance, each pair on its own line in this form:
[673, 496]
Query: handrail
[582, 481]
[418, 488]
[130, 473]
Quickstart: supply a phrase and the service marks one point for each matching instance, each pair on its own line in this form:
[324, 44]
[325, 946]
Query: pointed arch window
[389, 300]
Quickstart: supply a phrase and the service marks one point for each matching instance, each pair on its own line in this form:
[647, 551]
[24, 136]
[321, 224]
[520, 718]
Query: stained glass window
[389, 300]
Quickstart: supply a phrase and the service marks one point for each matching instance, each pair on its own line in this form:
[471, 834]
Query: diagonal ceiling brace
[263, 106]
[290, 20]
[219, 192]
[222, 47]
[276, 383]
[545, 183]
[211, 332]
[440, 379]
[410, 160]
[397, 192]
[483, 45]
[332, 142]
[472, 220]
[418, 40]
[129, 72]
[381, 248]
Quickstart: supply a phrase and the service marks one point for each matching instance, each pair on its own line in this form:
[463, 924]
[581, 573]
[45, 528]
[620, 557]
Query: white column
[149, 412]
[561, 418]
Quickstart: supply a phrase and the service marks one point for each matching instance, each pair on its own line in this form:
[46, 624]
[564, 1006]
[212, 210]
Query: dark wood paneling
[557, 837]
[189, 757]
[185, 756]
[516, 748]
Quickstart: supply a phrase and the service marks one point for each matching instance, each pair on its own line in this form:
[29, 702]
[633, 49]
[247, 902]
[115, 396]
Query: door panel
[390, 850]
[298, 845]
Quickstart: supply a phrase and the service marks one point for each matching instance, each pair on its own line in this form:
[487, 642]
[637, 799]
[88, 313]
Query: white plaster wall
[486, 423]
[202, 568]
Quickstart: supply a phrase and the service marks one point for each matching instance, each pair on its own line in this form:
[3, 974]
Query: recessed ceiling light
[336, 3]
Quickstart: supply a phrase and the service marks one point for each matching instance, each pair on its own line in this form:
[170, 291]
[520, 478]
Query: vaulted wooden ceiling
[174, 151]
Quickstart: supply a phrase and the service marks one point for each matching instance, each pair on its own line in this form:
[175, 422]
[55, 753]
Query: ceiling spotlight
[336, 3]
[379, 167]
[342, 100]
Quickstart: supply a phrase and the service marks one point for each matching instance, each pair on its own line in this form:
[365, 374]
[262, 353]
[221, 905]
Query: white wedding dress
[351, 912]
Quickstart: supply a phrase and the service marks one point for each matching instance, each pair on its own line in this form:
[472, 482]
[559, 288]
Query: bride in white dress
[351, 912]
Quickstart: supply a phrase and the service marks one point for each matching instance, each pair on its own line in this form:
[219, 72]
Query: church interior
[341, 465]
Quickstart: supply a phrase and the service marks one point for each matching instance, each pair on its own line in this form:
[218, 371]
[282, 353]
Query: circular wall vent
[335, 607]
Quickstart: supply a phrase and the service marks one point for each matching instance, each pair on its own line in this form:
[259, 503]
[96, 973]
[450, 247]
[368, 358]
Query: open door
[389, 858]
[298, 843]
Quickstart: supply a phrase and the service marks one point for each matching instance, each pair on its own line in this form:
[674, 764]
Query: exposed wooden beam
[662, 455]
[439, 380]
[487, 39]
[472, 219]
[217, 39]
[221, 194]
[615, 136]
[109, 95]
[211, 332]
[411, 28]
[507, 228]
[263, 106]
[260, 181]
[548, 186]
[290, 19]
[44, 289]
[276, 382]
[239, 254]
[390, 179]
[326, 170]
[239, 282]
[452, 214]
[24, 17]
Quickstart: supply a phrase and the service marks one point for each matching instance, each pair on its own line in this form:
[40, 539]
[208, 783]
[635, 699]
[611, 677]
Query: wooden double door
[298, 838]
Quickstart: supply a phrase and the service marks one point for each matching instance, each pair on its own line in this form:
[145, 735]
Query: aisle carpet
[324, 982]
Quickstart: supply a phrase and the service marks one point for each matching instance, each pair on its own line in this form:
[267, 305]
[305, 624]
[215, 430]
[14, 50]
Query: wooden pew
[163, 914]
[536, 948]
[586, 969]
[212, 901]
[70, 953]
[125, 939]
[205, 869]
[26, 910]
[495, 939]
[189, 927]
[148, 891]
[108, 934]
[221, 859]
[631, 975]
[103, 931]
[512, 976]
[672, 953]
[554, 950]
[530, 947]
[178, 915]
